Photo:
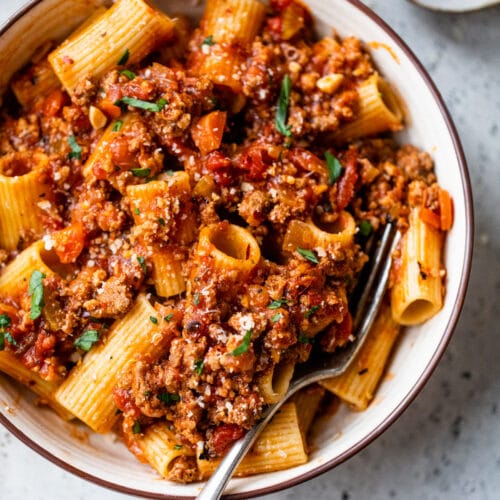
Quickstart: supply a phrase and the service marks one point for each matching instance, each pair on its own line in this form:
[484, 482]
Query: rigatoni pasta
[185, 215]
[98, 47]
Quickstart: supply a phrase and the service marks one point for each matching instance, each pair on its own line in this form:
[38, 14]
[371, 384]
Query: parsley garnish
[308, 254]
[155, 107]
[8, 336]
[76, 150]
[198, 366]
[124, 58]
[87, 340]
[245, 343]
[365, 228]
[276, 304]
[136, 429]
[178, 447]
[161, 221]
[311, 311]
[282, 112]
[137, 211]
[141, 172]
[276, 317]
[304, 339]
[196, 299]
[153, 320]
[35, 291]
[5, 322]
[167, 397]
[168, 317]
[142, 263]
[129, 74]
[209, 40]
[334, 167]
[118, 125]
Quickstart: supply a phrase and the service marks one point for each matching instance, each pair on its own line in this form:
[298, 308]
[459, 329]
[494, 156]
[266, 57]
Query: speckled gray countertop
[447, 444]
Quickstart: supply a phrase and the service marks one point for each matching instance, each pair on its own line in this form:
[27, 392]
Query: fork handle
[215, 486]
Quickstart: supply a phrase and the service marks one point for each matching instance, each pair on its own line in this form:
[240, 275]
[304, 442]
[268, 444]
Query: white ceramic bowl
[106, 461]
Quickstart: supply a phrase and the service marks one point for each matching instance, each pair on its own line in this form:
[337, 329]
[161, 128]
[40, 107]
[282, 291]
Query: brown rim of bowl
[415, 390]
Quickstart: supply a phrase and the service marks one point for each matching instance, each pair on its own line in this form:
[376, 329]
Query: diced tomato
[69, 242]
[121, 156]
[53, 103]
[125, 401]
[110, 109]
[208, 131]
[279, 4]
[446, 210]
[275, 26]
[429, 217]
[224, 436]
[347, 182]
[254, 161]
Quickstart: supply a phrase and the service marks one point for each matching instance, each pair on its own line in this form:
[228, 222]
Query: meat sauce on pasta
[184, 217]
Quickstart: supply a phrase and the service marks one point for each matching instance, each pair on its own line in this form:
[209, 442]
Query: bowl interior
[102, 457]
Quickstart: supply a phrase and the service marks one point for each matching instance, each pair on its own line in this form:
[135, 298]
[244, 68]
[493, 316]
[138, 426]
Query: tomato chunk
[69, 242]
[224, 436]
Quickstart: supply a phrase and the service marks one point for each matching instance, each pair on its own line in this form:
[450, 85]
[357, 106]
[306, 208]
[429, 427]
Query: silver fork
[324, 366]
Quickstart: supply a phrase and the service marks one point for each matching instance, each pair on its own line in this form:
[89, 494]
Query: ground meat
[111, 300]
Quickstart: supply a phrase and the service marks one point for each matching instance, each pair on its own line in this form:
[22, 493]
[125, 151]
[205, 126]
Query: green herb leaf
[245, 343]
[198, 366]
[137, 211]
[117, 126]
[8, 336]
[178, 447]
[153, 320]
[276, 317]
[311, 311]
[76, 150]
[155, 107]
[282, 112]
[137, 429]
[167, 398]
[276, 304]
[196, 299]
[161, 221]
[209, 40]
[124, 58]
[129, 74]
[35, 291]
[142, 263]
[304, 339]
[334, 167]
[168, 317]
[365, 228]
[308, 254]
[87, 340]
[4, 321]
[141, 172]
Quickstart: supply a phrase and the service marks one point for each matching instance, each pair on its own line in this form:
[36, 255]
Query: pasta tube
[356, 386]
[379, 111]
[126, 33]
[280, 446]
[87, 392]
[417, 294]
[22, 190]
